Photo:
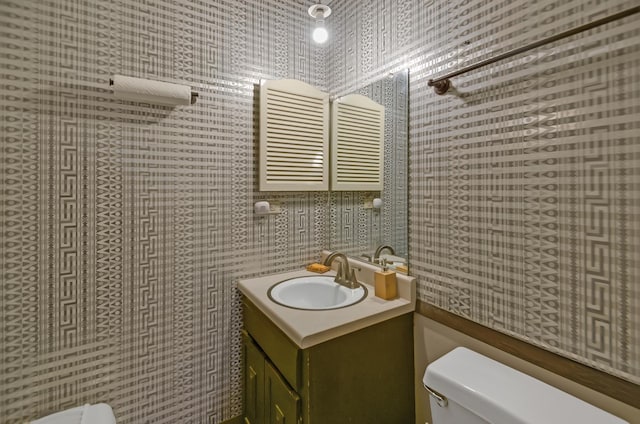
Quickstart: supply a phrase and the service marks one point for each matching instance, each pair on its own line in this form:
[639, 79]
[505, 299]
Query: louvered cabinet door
[357, 144]
[294, 136]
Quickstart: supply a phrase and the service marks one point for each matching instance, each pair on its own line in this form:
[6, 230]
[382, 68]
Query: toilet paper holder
[263, 207]
[194, 94]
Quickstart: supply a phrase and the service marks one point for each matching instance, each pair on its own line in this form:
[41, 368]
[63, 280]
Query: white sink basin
[315, 293]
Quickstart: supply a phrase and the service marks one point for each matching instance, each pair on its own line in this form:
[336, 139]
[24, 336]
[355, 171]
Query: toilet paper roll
[149, 91]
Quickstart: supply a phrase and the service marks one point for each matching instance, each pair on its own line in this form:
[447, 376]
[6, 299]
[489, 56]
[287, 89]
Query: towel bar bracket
[440, 87]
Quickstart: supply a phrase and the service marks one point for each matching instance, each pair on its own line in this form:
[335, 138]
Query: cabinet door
[282, 403]
[253, 382]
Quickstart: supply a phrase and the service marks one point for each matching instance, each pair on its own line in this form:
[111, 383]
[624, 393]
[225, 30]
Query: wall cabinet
[360, 378]
[357, 144]
[294, 137]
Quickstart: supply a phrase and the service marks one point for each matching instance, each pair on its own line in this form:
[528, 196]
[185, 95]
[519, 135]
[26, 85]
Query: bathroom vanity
[348, 365]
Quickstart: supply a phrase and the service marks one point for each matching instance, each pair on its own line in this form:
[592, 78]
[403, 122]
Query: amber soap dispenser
[386, 283]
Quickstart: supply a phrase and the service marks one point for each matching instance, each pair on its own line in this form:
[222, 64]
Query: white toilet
[468, 388]
[99, 413]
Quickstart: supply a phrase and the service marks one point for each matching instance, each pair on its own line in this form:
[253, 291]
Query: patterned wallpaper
[125, 225]
[524, 183]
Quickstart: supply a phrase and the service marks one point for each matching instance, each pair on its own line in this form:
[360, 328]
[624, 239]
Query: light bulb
[319, 12]
[320, 34]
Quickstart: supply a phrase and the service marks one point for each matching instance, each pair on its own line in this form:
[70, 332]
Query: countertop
[308, 328]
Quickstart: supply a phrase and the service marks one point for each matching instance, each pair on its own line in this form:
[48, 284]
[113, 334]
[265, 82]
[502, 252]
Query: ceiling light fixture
[319, 12]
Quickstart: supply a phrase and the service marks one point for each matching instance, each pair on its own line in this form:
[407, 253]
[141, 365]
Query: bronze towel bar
[442, 84]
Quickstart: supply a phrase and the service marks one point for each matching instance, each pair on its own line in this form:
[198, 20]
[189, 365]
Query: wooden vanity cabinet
[254, 362]
[363, 377]
[268, 398]
[282, 403]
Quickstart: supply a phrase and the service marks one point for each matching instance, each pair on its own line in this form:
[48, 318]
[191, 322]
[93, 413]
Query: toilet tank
[479, 390]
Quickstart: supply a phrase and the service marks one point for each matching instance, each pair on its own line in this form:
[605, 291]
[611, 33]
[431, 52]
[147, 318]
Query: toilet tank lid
[500, 394]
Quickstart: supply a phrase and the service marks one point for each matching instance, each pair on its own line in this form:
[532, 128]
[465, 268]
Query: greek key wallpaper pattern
[525, 181]
[125, 225]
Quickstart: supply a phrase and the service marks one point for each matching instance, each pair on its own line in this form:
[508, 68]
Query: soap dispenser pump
[386, 283]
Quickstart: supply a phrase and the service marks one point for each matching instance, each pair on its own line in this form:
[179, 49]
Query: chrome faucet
[345, 276]
[376, 256]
